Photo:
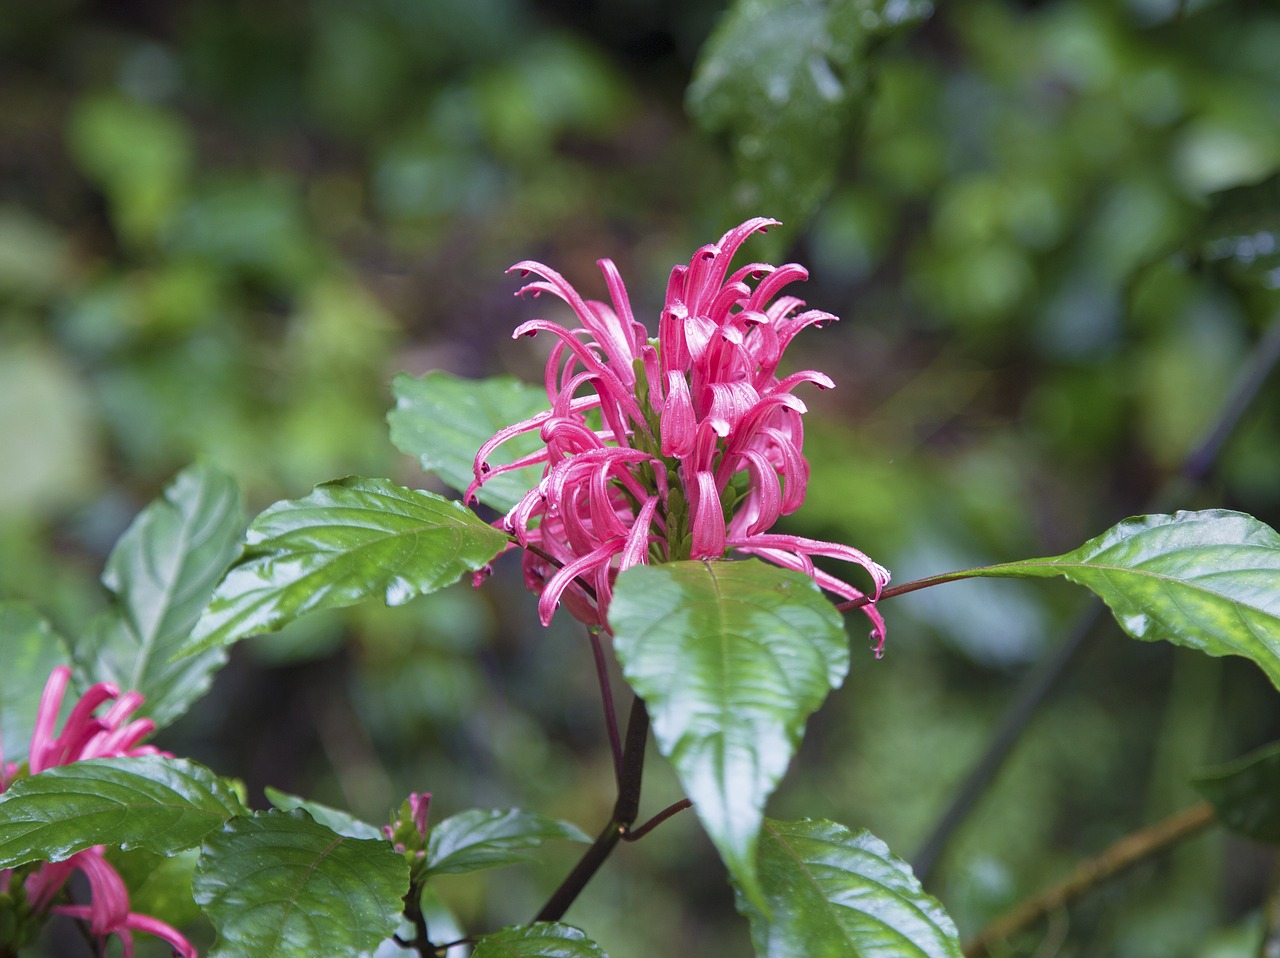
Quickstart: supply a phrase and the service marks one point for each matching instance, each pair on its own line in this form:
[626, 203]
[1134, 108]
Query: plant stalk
[1123, 854]
[625, 811]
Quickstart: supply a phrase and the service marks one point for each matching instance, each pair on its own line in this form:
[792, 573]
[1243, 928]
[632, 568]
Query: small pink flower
[698, 445]
[86, 736]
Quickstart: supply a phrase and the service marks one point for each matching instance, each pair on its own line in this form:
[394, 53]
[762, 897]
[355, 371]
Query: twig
[1125, 853]
[635, 834]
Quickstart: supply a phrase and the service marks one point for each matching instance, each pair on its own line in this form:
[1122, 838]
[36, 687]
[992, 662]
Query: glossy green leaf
[832, 892]
[158, 804]
[281, 885]
[1246, 793]
[31, 650]
[478, 838]
[540, 940]
[783, 82]
[349, 540]
[1207, 580]
[344, 823]
[731, 658]
[161, 574]
[442, 420]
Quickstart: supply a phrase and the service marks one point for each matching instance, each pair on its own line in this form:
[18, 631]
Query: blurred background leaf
[225, 226]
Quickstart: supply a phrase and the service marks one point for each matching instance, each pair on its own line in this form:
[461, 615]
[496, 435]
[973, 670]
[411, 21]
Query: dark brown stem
[413, 912]
[625, 811]
[1092, 872]
[635, 834]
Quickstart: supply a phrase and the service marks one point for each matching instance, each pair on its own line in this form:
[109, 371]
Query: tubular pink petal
[751, 271]
[700, 281]
[821, 380]
[775, 281]
[564, 576]
[618, 293]
[636, 550]
[765, 497]
[729, 296]
[42, 739]
[728, 405]
[604, 519]
[109, 901]
[420, 806]
[154, 926]
[708, 521]
[677, 422]
[801, 546]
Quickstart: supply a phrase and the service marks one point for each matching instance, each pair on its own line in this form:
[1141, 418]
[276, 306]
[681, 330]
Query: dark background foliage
[225, 225]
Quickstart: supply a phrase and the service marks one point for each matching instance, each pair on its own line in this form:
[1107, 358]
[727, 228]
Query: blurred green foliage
[224, 226]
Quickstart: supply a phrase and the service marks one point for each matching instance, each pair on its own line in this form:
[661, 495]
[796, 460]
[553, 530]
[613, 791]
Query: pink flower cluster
[680, 448]
[85, 736]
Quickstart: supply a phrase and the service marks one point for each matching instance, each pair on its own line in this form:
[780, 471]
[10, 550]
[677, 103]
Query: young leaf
[162, 573]
[442, 420]
[1246, 793]
[540, 940]
[477, 839]
[831, 891]
[1207, 580]
[280, 885]
[349, 540]
[730, 658]
[344, 823]
[31, 650]
[162, 805]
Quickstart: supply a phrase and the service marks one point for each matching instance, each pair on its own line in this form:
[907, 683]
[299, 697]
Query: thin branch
[610, 713]
[1123, 854]
[635, 834]
[1036, 687]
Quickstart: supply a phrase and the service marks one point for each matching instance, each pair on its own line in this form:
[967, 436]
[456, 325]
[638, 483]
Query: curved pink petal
[636, 550]
[677, 423]
[707, 526]
[564, 577]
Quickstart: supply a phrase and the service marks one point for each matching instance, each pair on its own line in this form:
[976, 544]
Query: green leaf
[31, 650]
[162, 573]
[1207, 580]
[731, 658]
[280, 885]
[334, 819]
[442, 420]
[349, 540]
[833, 892]
[783, 82]
[1246, 793]
[158, 804]
[1242, 231]
[540, 940]
[477, 839]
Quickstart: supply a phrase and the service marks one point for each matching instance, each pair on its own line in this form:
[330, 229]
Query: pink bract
[85, 736]
[694, 445]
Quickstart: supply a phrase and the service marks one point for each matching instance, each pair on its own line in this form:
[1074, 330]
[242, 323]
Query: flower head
[687, 446]
[84, 736]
